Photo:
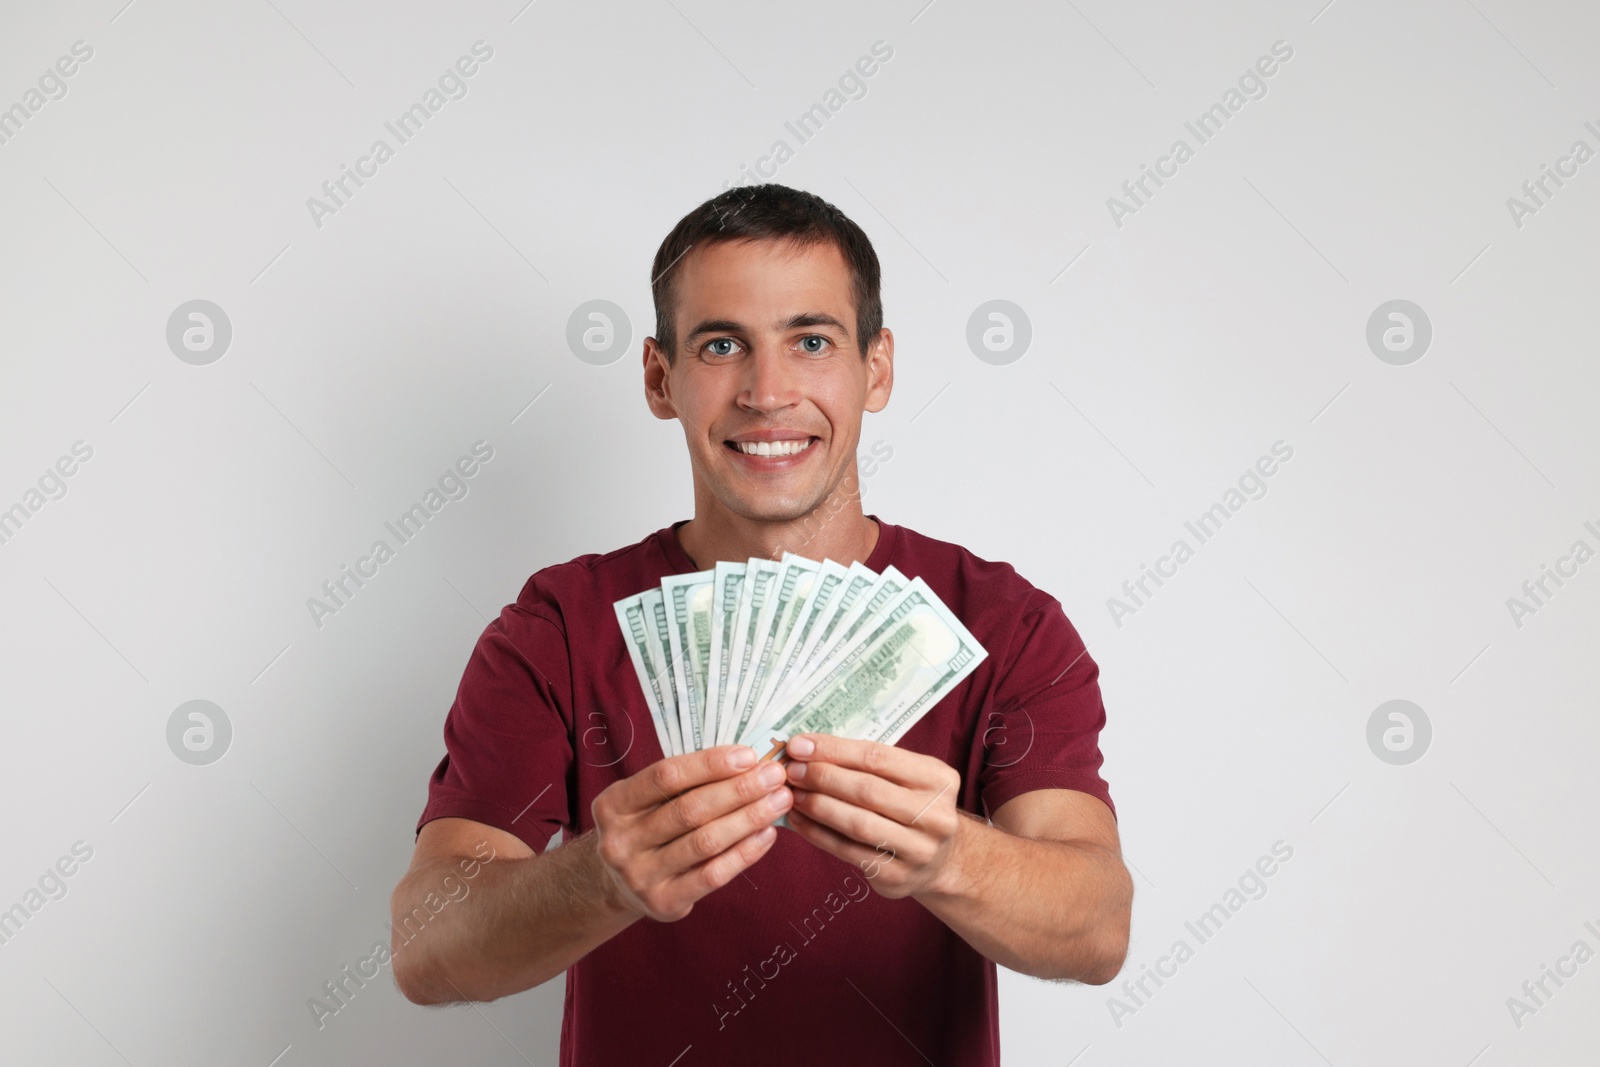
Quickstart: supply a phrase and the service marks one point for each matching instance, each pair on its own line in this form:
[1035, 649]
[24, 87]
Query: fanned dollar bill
[755, 600]
[879, 684]
[756, 652]
[857, 580]
[727, 584]
[635, 634]
[867, 607]
[810, 617]
[655, 613]
[788, 597]
[688, 603]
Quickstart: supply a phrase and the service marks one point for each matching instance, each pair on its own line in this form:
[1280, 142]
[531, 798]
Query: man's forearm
[1045, 908]
[524, 922]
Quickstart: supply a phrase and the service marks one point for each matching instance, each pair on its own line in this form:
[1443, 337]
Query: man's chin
[785, 508]
[775, 511]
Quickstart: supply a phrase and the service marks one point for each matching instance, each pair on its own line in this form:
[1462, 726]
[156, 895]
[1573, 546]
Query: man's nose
[769, 381]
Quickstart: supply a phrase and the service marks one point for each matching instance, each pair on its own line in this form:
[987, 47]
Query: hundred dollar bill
[858, 580]
[892, 673]
[867, 608]
[844, 623]
[755, 604]
[831, 583]
[789, 591]
[809, 620]
[688, 601]
[726, 585]
[631, 617]
[655, 609]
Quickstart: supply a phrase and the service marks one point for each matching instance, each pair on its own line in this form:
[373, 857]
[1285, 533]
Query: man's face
[768, 381]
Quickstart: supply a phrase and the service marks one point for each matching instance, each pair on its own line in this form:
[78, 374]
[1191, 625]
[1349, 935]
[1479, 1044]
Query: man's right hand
[687, 825]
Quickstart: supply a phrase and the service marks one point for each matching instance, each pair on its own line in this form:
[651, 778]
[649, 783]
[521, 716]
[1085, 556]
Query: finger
[699, 807]
[705, 842]
[721, 869]
[886, 761]
[836, 844]
[862, 789]
[669, 777]
[857, 824]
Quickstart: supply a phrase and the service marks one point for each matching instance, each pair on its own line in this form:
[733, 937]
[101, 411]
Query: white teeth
[772, 448]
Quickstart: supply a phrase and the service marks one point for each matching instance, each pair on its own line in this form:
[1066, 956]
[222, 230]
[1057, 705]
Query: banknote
[655, 614]
[688, 603]
[726, 585]
[867, 606]
[755, 602]
[858, 579]
[635, 632]
[810, 617]
[890, 674]
[850, 614]
[789, 593]
[755, 652]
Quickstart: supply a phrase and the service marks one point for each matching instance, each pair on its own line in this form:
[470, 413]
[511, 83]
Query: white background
[1228, 313]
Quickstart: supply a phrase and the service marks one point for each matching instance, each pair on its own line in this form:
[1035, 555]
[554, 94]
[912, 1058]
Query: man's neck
[836, 529]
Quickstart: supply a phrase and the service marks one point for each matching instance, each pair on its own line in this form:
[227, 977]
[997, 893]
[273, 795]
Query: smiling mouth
[772, 448]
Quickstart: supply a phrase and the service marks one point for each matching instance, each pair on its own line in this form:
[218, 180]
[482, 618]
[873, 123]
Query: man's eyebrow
[804, 318]
[714, 326]
[816, 318]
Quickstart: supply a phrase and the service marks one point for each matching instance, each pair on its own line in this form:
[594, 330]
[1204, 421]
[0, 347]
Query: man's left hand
[890, 811]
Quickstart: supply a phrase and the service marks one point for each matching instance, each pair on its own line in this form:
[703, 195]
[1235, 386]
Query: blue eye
[715, 351]
[814, 337]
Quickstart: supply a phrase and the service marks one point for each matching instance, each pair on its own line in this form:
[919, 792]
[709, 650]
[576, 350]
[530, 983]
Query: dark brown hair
[769, 212]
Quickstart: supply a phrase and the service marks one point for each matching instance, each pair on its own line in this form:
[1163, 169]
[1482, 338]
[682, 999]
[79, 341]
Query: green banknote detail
[890, 675]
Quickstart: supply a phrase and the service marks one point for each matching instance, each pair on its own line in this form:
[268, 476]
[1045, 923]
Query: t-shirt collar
[679, 561]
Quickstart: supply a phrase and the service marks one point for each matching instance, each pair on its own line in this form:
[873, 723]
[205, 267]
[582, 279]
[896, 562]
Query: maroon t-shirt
[799, 962]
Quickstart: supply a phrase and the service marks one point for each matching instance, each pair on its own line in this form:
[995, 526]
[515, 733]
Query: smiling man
[692, 931]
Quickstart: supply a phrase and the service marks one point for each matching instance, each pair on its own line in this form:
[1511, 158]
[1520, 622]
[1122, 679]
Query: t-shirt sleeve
[1042, 725]
[507, 737]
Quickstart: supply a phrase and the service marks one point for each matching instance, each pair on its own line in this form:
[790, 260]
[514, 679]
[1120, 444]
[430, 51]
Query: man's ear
[657, 381]
[880, 370]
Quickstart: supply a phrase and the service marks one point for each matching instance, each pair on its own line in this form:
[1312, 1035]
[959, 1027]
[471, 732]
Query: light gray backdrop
[1442, 456]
